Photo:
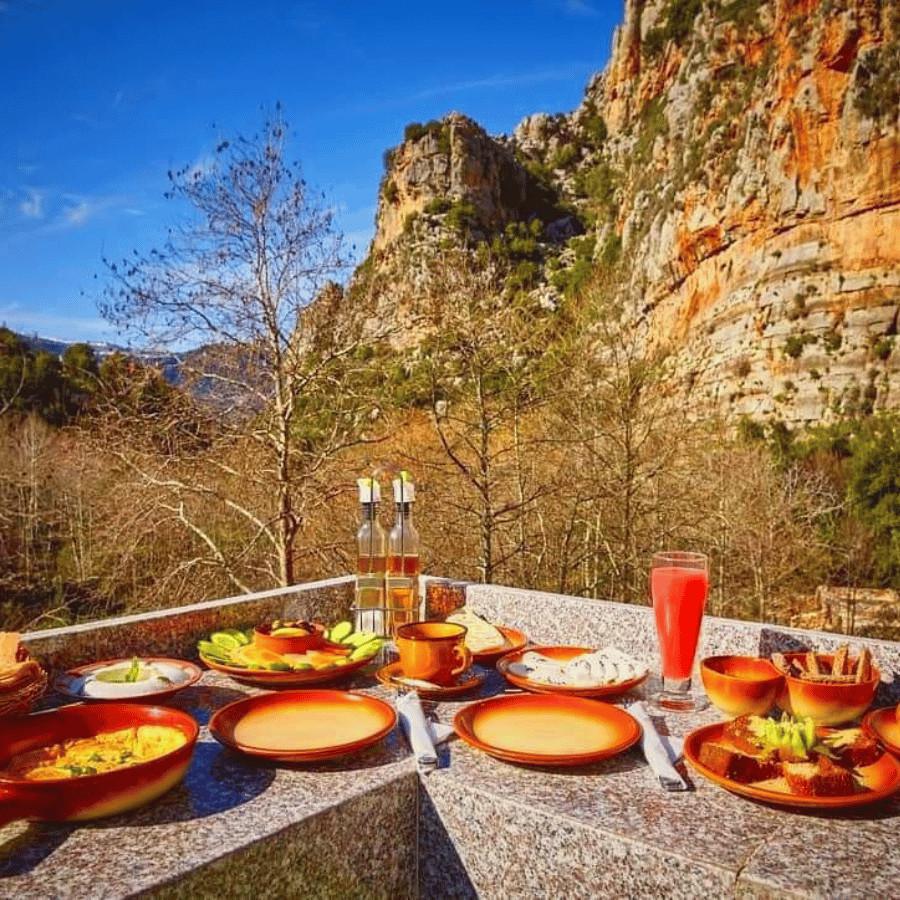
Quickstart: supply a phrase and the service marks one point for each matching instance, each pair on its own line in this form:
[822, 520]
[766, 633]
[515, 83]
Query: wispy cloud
[78, 210]
[580, 8]
[498, 81]
[32, 207]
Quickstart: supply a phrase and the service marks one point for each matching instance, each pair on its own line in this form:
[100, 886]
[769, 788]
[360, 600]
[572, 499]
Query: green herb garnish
[132, 674]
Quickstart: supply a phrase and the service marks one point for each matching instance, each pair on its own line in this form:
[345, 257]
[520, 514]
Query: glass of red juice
[679, 583]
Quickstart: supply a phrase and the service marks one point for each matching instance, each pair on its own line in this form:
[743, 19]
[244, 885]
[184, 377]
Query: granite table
[371, 826]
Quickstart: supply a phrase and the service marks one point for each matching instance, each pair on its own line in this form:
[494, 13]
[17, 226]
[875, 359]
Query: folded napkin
[421, 733]
[660, 751]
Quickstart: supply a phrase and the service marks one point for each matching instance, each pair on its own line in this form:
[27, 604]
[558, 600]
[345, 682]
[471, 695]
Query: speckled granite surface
[559, 619]
[369, 825]
[174, 632]
[230, 807]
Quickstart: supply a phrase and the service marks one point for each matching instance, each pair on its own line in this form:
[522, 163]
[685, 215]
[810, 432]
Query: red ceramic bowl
[297, 644]
[828, 704]
[90, 796]
[741, 685]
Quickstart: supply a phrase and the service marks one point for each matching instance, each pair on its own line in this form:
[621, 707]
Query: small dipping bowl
[827, 704]
[741, 685]
[299, 643]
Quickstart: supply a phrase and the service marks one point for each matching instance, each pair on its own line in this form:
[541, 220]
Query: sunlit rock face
[746, 172]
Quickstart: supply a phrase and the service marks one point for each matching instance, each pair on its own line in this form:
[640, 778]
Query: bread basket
[22, 682]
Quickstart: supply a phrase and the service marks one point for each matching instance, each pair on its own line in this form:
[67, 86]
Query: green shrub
[877, 82]
[612, 250]
[795, 343]
[832, 341]
[437, 206]
[653, 124]
[571, 279]
[594, 126]
[744, 13]
[524, 276]
[416, 130]
[564, 157]
[462, 217]
[883, 348]
[675, 24]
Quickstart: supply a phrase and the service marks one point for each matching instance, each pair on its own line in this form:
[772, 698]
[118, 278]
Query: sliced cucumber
[340, 632]
[370, 648]
[240, 636]
[359, 638]
[213, 651]
[279, 667]
[225, 640]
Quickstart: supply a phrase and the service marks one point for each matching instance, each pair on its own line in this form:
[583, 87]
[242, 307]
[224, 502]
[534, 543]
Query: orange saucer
[884, 726]
[547, 730]
[389, 676]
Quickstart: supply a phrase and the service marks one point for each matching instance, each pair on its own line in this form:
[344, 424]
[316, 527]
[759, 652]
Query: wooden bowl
[741, 685]
[827, 704]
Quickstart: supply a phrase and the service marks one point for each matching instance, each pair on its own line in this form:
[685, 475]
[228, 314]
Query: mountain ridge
[743, 155]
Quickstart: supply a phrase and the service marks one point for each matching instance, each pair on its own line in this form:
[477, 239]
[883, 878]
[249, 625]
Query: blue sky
[101, 97]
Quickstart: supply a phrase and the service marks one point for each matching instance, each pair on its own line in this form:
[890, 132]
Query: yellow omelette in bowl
[101, 753]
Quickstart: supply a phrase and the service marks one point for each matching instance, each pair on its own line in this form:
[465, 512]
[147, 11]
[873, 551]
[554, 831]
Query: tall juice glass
[679, 583]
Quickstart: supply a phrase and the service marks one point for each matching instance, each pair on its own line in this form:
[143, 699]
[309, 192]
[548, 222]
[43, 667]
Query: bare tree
[481, 359]
[248, 279]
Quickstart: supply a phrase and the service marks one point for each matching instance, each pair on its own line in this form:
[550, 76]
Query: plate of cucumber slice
[331, 654]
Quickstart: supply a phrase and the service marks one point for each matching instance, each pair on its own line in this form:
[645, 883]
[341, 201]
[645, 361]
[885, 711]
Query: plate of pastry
[485, 641]
[794, 762]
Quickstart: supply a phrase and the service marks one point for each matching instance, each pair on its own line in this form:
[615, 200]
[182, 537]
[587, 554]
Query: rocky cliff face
[738, 162]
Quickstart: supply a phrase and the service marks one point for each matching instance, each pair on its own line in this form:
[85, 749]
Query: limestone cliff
[739, 160]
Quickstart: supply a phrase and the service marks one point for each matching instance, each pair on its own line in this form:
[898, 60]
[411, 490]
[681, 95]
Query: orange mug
[433, 651]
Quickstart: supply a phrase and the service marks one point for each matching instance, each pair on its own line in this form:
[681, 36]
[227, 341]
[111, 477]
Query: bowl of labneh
[123, 679]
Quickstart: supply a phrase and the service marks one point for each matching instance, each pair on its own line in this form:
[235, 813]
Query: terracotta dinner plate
[68, 682]
[303, 726]
[545, 730]
[563, 654]
[266, 679]
[471, 679]
[515, 640]
[882, 778]
[884, 726]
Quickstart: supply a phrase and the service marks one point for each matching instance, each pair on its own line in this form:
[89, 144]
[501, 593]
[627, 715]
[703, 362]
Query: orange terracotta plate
[540, 729]
[69, 683]
[884, 726]
[563, 654]
[882, 778]
[303, 726]
[515, 640]
[474, 677]
[265, 679]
